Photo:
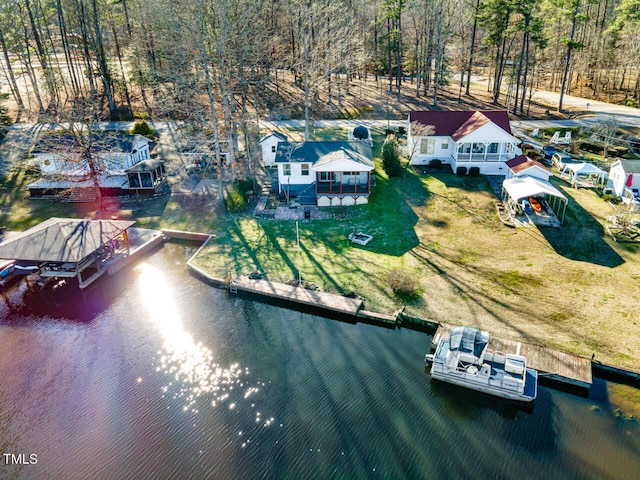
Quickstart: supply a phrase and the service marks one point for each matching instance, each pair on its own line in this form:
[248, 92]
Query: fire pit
[360, 238]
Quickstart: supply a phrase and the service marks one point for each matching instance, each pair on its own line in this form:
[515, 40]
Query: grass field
[571, 287]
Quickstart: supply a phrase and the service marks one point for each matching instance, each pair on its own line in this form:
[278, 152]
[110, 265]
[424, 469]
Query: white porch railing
[481, 157]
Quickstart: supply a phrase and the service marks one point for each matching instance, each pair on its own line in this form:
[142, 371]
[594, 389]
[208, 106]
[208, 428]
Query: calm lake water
[153, 374]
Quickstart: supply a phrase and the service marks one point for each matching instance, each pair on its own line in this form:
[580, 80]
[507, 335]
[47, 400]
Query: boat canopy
[468, 344]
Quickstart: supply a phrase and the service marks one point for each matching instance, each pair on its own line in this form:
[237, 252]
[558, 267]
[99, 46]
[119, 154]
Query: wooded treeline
[214, 60]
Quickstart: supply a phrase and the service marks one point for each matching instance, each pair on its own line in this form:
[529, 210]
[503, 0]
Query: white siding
[269, 145]
[533, 171]
[440, 153]
[296, 177]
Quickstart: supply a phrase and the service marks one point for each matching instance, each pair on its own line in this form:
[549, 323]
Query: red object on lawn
[629, 180]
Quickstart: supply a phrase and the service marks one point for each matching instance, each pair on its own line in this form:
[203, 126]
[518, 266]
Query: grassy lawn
[570, 288]
[19, 213]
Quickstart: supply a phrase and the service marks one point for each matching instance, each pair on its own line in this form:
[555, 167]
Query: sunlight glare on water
[190, 364]
[191, 367]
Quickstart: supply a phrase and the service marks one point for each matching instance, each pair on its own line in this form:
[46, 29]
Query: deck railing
[481, 157]
[338, 188]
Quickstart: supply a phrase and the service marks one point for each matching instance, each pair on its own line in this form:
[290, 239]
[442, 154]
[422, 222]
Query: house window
[145, 178]
[478, 148]
[464, 148]
[445, 144]
[509, 147]
[427, 146]
[492, 148]
[326, 176]
[273, 149]
[304, 169]
[134, 180]
[286, 169]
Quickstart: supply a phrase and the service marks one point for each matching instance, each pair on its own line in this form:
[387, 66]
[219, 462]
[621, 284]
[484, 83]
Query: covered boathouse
[68, 248]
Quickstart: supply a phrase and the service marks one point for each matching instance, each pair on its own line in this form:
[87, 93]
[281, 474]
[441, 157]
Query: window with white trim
[427, 146]
[286, 169]
[304, 169]
[326, 177]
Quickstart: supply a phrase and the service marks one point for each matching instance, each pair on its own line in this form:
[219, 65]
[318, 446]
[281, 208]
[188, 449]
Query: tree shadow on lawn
[456, 185]
[390, 219]
[18, 211]
[581, 238]
[479, 183]
[483, 299]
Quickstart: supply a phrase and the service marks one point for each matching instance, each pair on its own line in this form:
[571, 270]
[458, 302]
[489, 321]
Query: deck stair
[503, 214]
[307, 196]
[265, 188]
[83, 195]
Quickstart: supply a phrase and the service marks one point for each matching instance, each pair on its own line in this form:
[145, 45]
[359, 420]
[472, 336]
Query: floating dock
[552, 365]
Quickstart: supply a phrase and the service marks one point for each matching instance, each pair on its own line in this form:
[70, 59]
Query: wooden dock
[302, 296]
[552, 365]
[182, 235]
[382, 319]
[142, 241]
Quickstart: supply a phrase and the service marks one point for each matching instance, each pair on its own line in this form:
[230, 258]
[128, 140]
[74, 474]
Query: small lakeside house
[122, 163]
[329, 173]
[463, 140]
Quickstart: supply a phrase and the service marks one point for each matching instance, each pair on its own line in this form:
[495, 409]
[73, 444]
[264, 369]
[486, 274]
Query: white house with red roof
[467, 139]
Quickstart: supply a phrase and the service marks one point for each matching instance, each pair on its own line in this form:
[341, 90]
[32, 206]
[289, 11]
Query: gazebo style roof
[584, 169]
[62, 240]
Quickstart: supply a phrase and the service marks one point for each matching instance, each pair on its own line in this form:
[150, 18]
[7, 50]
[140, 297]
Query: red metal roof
[459, 124]
[522, 162]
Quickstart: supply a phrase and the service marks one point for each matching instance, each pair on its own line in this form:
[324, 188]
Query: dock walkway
[553, 365]
[141, 241]
[313, 298]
